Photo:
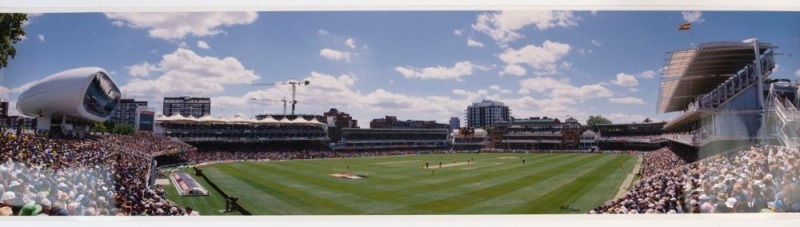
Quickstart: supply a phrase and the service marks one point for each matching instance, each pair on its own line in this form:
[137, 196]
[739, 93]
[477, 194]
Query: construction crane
[292, 82]
[274, 100]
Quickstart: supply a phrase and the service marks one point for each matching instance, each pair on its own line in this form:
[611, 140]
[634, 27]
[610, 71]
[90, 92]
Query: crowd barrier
[238, 206]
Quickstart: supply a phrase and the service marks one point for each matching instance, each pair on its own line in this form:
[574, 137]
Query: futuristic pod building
[76, 94]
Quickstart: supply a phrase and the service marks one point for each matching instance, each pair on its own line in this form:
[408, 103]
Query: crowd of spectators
[212, 156]
[145, 144]
[74, 177]
[534, 133]
[396, 137]
[757, 179]
[687, 137]
[252, 131]
[640, 139]
[658, 161]
[469, 140]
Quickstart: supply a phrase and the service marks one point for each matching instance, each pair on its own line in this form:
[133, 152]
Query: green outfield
[491, 184]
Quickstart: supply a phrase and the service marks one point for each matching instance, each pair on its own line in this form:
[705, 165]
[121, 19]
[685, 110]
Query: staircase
[788, 122]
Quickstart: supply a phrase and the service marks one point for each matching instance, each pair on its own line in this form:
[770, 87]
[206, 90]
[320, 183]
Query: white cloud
[594, 13]
[329, 91]
[649, 74]
[458, 32]
[504, 26]
[584, 92]
[562, 89]
[183, 45]
[340, 92]
[797, 73]
[624, 118]
[584, 52]
[41, 37]
[24, 87]
[460, 69]
[543, 59]
[4, 93]
[118, 23]
[693, 17]
[22, 38]
[12, 109]
[499, 89]
[178, 25]
[625, 80]
[153, 51]
[514, 69]
[202, 44]
[391, 81]
[335, 55]
[31, 16]
[141, 70]
[474, 43]
[350, 43]
[183, 72]
[597, 42]
[627, 100]
[322, 32]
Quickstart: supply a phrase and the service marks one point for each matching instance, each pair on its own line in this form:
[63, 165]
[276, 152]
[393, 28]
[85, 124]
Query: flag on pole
[686, 26]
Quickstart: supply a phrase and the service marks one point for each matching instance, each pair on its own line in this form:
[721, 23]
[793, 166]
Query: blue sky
[414, 65]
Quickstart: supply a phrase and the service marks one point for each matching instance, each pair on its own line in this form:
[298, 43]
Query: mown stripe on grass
[459, 178]
[309, 202]
[249, 195]
[468, 177]
[517, 197]
[563, 196]
[607, 188]
[329, 184]
[375, 194]
[446, 205]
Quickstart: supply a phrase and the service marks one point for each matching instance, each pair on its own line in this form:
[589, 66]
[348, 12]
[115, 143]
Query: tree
[124, 129]
[11, 32]
[99, 127]
[593, 121]
[110, 125]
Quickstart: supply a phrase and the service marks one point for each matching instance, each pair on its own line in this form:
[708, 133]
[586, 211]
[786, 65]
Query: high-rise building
[187, 106]
[3, 109]
[334, 118]
[3, 114]
[125, 113]
[487, 114]
[455, 123]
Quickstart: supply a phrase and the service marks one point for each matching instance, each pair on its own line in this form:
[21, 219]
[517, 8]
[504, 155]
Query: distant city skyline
[414, 65]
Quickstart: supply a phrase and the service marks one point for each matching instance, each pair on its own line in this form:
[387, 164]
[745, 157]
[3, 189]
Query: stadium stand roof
[632, 124]
[177, 118]
[693, 72]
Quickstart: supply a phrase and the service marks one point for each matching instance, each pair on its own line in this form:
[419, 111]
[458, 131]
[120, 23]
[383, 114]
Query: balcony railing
[742, 79]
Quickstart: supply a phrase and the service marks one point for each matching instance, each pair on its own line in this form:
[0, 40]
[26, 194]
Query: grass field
[492, 184]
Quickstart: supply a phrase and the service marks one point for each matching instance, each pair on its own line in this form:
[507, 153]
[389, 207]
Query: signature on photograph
[568, 209]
